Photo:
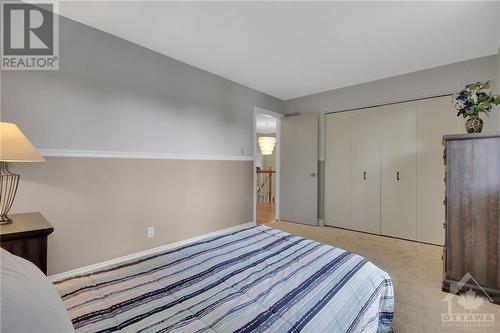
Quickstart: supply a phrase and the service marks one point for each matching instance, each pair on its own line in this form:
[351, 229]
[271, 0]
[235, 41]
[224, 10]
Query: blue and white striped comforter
[252, 280]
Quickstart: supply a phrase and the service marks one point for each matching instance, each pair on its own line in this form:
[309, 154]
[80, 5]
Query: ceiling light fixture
[266, 144]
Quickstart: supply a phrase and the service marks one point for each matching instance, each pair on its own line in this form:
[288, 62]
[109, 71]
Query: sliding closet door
[398, 182]
[435, 118]
[365, 170]
[337, 169]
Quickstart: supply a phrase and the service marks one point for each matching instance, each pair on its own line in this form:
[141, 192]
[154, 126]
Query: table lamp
[14, 147]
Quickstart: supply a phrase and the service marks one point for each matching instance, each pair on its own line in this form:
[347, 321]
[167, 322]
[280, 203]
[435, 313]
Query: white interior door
[338, 169]
[398, 173]
[299, 168]
[365, 175]
[435, 118]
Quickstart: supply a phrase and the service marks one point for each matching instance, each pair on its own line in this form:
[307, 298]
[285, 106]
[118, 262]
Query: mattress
[257, 279]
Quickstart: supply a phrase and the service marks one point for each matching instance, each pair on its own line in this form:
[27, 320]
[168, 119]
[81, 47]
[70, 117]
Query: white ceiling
[292, 49]
[265, 124]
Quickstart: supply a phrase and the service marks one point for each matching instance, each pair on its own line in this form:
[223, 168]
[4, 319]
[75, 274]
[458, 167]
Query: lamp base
[8, 188]
[4, 219]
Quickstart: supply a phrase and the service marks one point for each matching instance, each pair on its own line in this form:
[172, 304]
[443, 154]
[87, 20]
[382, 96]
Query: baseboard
[385, 236]
[86, 269]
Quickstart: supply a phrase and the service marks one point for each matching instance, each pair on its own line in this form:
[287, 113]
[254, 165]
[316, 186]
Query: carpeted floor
[416, 270]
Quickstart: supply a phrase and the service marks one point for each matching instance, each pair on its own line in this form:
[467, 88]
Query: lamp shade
[266, 144]
[15, 147]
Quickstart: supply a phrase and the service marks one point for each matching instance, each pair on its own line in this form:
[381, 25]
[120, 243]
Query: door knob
[313, 174]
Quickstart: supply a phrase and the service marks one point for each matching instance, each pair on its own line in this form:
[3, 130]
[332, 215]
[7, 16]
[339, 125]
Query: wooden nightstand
[26, 237]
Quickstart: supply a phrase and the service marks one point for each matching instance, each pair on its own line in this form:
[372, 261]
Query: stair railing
[265, 190]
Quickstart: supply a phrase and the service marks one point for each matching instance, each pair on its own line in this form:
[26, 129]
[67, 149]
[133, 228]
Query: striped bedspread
[257, 279]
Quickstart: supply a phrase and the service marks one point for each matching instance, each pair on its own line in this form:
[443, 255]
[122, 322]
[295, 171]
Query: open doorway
[266, 180]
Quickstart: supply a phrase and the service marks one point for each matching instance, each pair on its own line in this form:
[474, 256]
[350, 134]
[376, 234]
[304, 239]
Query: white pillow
[28, 301]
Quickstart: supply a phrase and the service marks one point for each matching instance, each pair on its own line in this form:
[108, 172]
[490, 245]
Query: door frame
[277, 116]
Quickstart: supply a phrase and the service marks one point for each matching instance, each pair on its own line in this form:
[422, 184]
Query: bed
[256, 279]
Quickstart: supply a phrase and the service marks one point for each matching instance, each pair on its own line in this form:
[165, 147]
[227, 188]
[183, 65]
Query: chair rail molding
[139, 155]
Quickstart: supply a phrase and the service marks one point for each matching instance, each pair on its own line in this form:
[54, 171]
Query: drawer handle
[364, 175]
[397, 176]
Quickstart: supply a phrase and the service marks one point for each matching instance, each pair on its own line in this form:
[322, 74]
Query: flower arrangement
[474, 99]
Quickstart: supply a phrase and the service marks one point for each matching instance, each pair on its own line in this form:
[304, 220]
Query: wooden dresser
[472, 202]
[26, 237]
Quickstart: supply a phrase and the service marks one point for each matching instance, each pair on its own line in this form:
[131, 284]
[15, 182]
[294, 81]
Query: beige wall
[101, 207]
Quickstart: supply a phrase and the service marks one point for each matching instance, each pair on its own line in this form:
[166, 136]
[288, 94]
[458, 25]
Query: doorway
[266, 165]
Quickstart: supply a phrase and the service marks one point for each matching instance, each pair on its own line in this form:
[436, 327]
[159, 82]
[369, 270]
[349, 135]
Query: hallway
[265, 212]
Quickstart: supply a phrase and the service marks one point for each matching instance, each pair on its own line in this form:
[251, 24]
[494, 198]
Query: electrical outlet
[151, 232]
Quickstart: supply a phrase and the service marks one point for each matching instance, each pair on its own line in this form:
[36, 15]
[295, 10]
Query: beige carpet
[416, 270]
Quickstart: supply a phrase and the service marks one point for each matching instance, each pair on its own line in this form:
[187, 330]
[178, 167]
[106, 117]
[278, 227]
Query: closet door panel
[398, 173]
[365, 170]
[435, 117]
[338, 169]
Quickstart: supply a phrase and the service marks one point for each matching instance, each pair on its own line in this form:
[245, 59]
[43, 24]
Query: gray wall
[497, 82]
[498, 71]
[495, 115]
[113, 95]
[427, 83]
[431, 82]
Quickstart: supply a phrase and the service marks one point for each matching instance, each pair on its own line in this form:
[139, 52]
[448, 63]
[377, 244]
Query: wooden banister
[269, 181]
[270, 192]
[266, 171]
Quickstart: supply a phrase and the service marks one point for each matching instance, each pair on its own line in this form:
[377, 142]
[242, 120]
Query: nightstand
[26, 237]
